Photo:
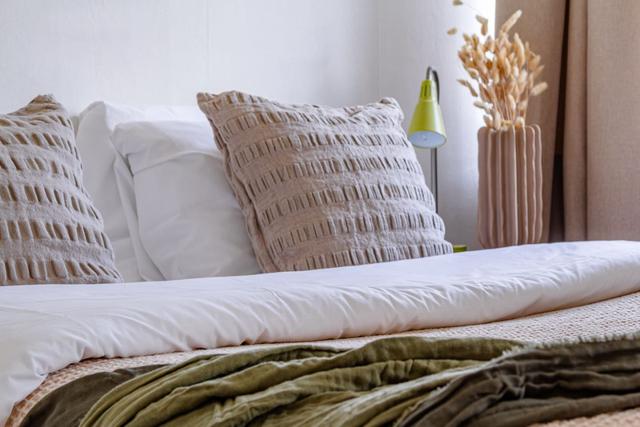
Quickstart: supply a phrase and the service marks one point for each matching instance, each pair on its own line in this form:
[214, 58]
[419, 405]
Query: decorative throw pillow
[50, 231]
[325, 187]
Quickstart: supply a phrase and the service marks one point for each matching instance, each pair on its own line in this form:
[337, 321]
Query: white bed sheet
[45, 328]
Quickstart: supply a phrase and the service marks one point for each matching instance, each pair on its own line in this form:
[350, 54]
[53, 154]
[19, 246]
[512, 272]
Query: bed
[192, 291]
[537, 293]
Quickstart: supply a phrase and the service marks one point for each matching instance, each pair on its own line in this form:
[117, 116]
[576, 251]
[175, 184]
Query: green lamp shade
[427, 127]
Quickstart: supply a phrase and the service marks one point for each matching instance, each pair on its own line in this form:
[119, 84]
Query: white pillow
[189, 221]
[110, 182]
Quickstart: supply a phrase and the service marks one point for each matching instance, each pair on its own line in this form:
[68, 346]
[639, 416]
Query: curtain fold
[573, 144]
[590, 116]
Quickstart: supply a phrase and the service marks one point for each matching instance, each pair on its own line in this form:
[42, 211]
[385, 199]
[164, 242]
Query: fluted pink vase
[510, 186]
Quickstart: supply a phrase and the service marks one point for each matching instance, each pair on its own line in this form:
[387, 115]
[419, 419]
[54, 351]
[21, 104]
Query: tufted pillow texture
[50, 232]
[325, 187]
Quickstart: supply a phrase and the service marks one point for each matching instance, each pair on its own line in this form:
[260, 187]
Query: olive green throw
[405, 381]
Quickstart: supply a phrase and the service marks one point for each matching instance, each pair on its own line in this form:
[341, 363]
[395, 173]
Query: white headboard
[165, 51]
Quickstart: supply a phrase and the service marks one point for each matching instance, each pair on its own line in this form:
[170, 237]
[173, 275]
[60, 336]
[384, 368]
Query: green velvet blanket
[407, 381]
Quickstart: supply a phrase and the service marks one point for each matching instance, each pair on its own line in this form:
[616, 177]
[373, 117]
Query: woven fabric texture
[50, 232]
[616, 316]
[325, 187]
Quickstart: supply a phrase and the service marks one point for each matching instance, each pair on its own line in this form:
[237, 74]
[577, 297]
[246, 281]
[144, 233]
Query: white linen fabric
[189, 221]
[45, 328]
[109, 181]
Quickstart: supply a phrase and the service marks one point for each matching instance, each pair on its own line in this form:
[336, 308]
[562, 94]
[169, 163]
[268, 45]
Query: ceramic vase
[510, 186]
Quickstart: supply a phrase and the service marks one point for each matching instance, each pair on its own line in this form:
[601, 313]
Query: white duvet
[45, 328]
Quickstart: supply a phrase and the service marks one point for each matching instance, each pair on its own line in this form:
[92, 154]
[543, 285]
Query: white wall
[333, 52]
[164, 51]
[412, 36]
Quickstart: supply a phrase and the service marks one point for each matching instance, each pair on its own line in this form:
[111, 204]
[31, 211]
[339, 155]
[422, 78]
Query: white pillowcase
[110, 183]
[189, 221]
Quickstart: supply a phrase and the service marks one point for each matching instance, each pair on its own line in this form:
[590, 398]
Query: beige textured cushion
[325, 187]
[49, 230]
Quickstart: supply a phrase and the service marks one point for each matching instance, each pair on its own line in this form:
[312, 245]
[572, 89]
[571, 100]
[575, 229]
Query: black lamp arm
[434, 73]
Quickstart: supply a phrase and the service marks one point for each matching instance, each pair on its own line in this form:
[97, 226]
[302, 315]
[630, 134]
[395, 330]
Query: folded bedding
[616, 315]
[408, 381]
[46, 328]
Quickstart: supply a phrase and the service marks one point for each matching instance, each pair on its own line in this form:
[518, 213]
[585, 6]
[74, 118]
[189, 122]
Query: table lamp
[427, 127]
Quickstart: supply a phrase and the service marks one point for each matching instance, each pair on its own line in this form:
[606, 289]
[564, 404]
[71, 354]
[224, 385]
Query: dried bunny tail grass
[469, 86]
[485, 29]
[484, 94]
[489, 44]
[502, 72]
[497, 119]
[520, 50]
[538, 89]
[506, 65]
[483, 106]
[523, 77]
[536, 73]
[534, 62]
[451, 31]
[513, 106]
[473, 73]
[484, 22]
[509, 23]
[457, 2]
[522, 108]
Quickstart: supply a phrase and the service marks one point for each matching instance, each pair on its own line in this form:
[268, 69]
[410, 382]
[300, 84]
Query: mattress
[582, 290]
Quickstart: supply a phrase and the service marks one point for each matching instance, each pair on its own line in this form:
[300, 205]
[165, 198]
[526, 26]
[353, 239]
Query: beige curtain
[590, 116]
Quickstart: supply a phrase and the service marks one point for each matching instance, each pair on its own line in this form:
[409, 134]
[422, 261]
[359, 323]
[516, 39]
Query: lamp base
[459, 248]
